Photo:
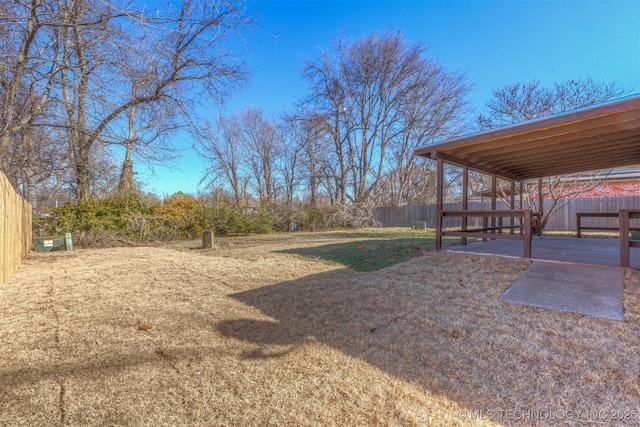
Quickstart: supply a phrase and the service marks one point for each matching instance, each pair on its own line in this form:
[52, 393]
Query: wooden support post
[540, 208]
[465, 200]
[527, 233]
[439, 197]
[578, 225]
[521, 201]
[485, 224]
[494, 184]
[512, 205]
[625, 259]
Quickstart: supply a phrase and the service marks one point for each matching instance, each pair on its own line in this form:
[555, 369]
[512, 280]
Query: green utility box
[49, 243]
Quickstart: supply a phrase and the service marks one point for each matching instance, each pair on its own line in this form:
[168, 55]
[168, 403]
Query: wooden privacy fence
[564, 219]
[15, 229]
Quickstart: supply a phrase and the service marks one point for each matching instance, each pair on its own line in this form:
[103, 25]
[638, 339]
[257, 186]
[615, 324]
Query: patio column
[494, 185]
[512, 205]
[540, 207]
[465, 200]
[521, 201]
[527, 234]
[439, 197]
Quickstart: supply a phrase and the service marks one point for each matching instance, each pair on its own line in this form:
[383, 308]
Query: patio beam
[435, 155]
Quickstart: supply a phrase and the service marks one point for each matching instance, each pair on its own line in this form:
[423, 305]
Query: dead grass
[245, 334]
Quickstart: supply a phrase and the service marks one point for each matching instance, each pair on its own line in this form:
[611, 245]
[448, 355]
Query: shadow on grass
[444, 329]
[435, 322]
[367, 255]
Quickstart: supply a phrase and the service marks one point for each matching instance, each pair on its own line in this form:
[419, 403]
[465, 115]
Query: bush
[356, 215]
[299, 217]
[98, 217]
[134, 219]
[315, 220]
[180, 216]
[226, 220]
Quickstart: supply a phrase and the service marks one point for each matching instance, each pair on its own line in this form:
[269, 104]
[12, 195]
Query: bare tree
[145, 134]
[380, 97]
[307, 137]
[220, 146]
[28, 70]
[527, 101]
[184, 51]
[437, 112]
[260, 142]
[247, 148]
[39, 162]
[288, 166]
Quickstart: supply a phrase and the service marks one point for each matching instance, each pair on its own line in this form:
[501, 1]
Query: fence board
[15, 229]
[564, 219]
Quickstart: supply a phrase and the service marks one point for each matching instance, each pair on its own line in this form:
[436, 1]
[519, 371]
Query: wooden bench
[493, 232]
[580, 227]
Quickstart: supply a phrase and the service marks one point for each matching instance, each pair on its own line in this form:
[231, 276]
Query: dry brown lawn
[247, 335]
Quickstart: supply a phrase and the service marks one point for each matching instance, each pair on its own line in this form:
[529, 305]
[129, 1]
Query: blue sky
[496, 43]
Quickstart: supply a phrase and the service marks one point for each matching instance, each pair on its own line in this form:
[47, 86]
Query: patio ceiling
[597, 137]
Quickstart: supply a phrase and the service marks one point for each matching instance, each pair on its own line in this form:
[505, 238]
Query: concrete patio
[568, 274]
[586, 250]
[591, 290]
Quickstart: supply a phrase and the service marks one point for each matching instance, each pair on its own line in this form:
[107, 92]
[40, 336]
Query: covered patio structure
[592, 138]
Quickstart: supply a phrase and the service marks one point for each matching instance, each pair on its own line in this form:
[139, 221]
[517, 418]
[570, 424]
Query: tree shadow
[445, 330]
[263, 334]
[434, 322]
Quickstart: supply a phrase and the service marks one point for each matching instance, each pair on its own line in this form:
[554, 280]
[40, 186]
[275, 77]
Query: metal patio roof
[596, 137]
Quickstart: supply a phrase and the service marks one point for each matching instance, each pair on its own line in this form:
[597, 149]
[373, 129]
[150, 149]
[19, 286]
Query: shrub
[224, 220]
[98, 217]
[315, 219]
[132, 218]
[182, 216]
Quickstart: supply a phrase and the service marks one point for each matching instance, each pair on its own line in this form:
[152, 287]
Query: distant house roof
[601, 136]
[624, 173]
[602, 181]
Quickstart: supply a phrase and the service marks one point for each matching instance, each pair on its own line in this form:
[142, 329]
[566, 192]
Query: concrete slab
[594, 291]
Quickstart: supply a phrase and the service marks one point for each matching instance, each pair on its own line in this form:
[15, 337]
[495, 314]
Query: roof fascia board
[592, 111]
[569, 133]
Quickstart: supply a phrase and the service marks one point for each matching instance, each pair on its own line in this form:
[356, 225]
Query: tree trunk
[125, 184]
[81, 169]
